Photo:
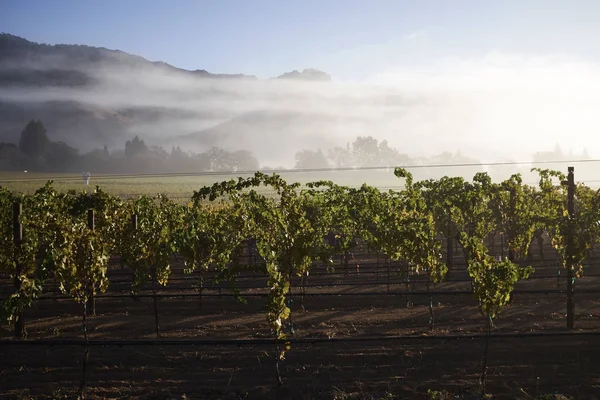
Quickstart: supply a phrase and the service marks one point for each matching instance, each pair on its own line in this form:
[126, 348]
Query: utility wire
[298, 170]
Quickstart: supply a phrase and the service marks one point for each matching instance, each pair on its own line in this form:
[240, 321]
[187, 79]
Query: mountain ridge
[89, 97]
[17, 45]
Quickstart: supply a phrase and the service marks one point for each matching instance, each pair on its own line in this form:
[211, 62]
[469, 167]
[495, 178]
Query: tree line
[36, 152]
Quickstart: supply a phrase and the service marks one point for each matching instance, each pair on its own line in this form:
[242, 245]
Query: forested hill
[25, 63]
[91, 97]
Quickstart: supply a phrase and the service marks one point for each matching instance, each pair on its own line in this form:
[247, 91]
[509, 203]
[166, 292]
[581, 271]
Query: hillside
[26, 63]
[89, 97]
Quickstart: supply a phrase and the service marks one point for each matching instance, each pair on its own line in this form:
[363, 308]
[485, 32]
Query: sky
[494, 80]
[352, 40]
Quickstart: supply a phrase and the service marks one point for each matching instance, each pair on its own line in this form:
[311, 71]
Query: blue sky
[350, 39]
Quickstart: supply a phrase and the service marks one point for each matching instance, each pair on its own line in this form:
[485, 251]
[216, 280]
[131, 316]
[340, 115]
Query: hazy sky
[350, 39]
[493, 79]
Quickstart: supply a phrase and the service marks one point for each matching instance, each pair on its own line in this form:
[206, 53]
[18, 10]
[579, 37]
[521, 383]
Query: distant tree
[311, 159]
[135, 147]
[218, 159]
[341, 157]
[33, 141]
[585, 155]
[556, 155]
[447, 157]
[558, 150]
[201, 162]
[60, 157]
[365, 150]
[158, 153]
[11, 158]
[391, 157]
[99, 161]
[177, 153]
[244, 160]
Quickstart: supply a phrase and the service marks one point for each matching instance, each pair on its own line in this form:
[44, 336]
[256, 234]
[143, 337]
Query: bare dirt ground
[519, 368]
[340, 305]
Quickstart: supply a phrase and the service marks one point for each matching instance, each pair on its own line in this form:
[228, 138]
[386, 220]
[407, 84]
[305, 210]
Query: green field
[180, 186]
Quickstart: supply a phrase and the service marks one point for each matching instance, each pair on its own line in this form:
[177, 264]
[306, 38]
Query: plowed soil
[357, 303]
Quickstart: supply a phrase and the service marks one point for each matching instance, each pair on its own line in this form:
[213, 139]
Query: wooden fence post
[134, 226]
[92, 300]
[570, 243]
[18, 239]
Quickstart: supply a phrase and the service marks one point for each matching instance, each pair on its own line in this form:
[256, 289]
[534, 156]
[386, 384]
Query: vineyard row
[70, 237]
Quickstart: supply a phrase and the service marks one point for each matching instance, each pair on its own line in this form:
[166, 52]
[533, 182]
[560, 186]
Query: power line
[297, 170]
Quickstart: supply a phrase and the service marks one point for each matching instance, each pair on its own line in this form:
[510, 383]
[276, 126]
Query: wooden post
[91, 306]
[134, 226]
[513, 210]
[346, 268]
[570, 250]
[389, 266]
[18, 239]
[154, 299]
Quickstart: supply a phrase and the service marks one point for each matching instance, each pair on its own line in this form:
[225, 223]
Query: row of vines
[71, 236]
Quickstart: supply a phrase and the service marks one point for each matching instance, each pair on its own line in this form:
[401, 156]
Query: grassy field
[180, 186]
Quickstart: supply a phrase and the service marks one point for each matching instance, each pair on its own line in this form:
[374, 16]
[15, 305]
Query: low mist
[496, 108]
